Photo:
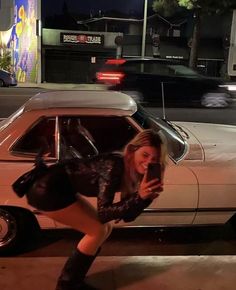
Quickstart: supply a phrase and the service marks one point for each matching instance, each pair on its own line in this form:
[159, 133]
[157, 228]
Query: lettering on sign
[82, 38]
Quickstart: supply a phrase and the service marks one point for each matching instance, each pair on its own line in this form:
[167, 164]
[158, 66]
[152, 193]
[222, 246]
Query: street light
[144, 28]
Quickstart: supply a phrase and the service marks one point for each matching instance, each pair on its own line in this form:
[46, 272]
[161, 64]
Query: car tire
[233, 222]
[210, 100]
[15, 226]
[1, 83]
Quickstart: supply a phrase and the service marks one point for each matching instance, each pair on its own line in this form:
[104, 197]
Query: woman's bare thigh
[81, 216]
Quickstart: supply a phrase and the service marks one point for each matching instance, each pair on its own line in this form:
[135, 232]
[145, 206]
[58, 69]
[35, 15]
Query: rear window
[148, 67]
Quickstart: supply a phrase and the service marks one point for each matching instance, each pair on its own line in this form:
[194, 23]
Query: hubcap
[8, 228]
[212, 101]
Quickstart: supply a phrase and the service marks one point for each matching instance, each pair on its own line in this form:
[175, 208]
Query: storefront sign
[175, 56]
[82, 38]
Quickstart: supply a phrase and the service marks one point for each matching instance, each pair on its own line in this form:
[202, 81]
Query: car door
[158, 85]
[21, 146]
[176, 204]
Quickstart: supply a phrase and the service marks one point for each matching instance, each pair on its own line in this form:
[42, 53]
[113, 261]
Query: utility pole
[144, 28]
[231, 70]
[39, 42]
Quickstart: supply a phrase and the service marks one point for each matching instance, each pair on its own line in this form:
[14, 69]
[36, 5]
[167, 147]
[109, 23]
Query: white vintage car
[200, 179]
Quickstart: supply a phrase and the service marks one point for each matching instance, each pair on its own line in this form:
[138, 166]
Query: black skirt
[53, 191]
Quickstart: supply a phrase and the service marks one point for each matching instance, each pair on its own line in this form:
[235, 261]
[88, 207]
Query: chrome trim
[171, 210]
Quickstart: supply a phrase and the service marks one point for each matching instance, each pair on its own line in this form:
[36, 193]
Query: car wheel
[1, 83]
[233, 222]
[15, 226]
[212, 100]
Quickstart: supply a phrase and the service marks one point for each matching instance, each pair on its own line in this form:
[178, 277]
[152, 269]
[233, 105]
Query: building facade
[23, 41]
[73, 56]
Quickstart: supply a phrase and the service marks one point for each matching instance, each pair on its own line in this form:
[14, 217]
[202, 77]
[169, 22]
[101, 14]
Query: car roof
[81, 99]
[144, 59]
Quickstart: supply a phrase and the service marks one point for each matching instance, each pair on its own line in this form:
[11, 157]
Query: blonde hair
[147, 137]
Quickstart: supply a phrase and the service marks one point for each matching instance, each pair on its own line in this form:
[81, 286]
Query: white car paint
[216, 175]
[200, 189]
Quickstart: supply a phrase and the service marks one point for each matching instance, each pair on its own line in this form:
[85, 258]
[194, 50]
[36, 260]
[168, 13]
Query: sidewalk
[125, 273]
[59, 86]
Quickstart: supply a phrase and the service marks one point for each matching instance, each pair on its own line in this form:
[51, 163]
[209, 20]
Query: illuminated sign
[76, 38]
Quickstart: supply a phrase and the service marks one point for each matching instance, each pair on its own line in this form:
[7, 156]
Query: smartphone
[154, 171]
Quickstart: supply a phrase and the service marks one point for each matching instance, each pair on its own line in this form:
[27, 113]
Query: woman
[59, 194]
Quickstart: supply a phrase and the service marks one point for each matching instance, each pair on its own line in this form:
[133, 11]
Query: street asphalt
[125, 273]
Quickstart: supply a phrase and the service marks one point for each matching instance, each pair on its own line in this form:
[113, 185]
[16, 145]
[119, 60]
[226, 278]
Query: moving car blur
[154, 81]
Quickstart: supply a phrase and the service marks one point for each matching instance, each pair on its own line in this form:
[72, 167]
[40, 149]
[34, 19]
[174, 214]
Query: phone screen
[154, 171]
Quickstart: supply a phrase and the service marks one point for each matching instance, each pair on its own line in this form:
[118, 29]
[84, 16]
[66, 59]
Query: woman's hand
[150, 189]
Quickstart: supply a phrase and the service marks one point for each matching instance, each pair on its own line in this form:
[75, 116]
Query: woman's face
[143, 156]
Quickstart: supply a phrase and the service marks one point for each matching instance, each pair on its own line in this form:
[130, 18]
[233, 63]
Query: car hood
[218, 141]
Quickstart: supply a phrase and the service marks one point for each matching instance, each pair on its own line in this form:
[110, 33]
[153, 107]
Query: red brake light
[110, 77]
[115, 61]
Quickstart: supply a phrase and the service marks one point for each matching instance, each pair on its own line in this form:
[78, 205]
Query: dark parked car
[7, 79]
[151, 79]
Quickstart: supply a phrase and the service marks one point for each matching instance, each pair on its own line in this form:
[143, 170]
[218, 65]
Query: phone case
[154, 171]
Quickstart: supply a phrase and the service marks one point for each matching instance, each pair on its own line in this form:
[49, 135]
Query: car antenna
[163, 100]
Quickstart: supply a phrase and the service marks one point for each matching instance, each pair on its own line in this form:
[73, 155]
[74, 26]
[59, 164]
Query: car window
[39, 138]
[153, 67]
[133, 67]
[140, 67]
[90, 135]
[182, 70]
[75, 139]
[157, 68]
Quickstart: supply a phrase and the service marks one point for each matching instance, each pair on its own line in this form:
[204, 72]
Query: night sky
[52, 7]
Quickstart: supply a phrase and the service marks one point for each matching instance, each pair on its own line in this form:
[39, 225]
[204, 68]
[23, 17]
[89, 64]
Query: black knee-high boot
[74, 272]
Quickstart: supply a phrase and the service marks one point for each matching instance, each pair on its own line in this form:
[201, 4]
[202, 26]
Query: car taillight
[110, 77]
[116, 61]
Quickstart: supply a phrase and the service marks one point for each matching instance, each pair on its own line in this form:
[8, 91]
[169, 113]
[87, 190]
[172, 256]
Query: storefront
[75, 56]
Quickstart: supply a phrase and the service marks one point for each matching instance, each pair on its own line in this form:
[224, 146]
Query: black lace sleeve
[133, 214]
[109, 183]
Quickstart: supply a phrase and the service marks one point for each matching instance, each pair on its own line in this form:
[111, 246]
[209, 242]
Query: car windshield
[177, 145]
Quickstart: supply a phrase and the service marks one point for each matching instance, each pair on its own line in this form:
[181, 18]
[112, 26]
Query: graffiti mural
[23, 42]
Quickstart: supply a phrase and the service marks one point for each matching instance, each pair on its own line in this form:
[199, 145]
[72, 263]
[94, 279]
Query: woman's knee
[109, 229]
[104, 231]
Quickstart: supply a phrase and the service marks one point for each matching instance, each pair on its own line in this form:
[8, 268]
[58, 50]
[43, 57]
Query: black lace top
[55, 187]
[101, 176]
